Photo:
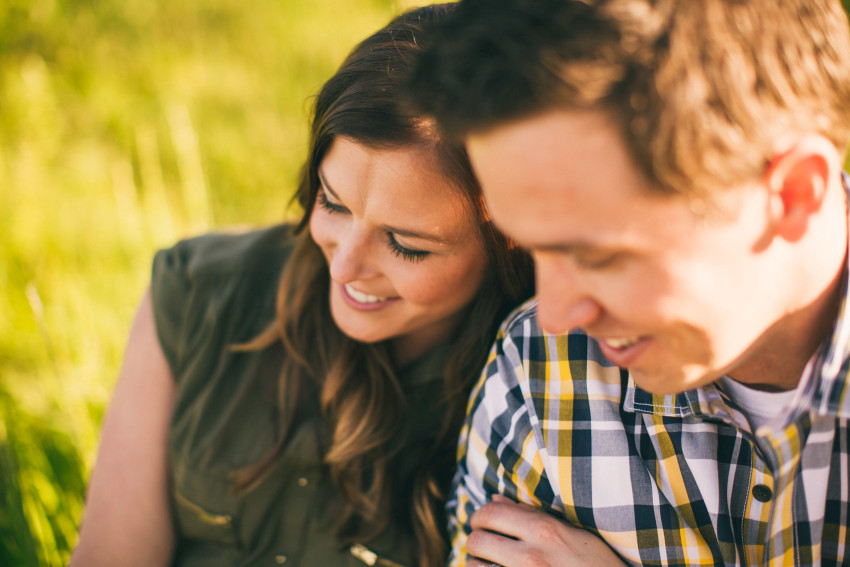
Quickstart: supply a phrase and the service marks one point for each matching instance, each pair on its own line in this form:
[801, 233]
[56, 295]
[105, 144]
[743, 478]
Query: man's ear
[798, 178]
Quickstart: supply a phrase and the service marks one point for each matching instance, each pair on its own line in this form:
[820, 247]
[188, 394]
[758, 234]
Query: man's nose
[352, 257]
[564, 301]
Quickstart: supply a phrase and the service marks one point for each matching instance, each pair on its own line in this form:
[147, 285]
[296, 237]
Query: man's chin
[669, 382]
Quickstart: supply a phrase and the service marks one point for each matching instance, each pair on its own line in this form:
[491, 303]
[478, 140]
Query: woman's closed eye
[322, 200]
[408, 254]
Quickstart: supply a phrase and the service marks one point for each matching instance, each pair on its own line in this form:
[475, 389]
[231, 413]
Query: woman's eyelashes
[323, 202]
[408, 254]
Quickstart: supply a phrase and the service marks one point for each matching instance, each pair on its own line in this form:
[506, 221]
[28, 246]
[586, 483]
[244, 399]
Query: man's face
[678, 295]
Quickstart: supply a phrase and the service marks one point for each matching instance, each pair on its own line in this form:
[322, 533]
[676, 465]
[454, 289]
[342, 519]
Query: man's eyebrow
[578, 247]
[407, 233]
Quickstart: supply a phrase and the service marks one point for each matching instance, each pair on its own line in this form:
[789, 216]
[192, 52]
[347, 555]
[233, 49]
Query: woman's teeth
[620, 343]
[362, 297]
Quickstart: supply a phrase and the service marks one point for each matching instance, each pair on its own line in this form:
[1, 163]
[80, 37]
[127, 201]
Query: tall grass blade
[195, 194]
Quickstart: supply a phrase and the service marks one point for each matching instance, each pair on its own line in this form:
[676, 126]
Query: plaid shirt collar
[825, 380]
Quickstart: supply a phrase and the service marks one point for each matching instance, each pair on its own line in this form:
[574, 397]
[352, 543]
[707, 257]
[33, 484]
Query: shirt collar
[828, 386]
[826, 389]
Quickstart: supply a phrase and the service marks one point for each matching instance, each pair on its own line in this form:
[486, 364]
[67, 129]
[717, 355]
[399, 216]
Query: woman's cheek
[430, 281]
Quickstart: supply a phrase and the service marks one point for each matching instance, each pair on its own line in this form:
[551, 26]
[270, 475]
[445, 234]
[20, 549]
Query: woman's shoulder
[226, 253]
[216, 289]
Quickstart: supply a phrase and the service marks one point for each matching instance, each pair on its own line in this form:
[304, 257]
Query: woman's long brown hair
[355, 384]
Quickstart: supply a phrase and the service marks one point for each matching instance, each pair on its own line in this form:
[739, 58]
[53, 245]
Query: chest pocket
[204, 508]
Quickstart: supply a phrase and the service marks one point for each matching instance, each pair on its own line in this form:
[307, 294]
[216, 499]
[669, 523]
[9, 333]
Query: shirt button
[280, 559]
[762, 493]
[302, 481]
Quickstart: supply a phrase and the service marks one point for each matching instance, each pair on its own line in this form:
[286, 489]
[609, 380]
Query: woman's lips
[364, 301]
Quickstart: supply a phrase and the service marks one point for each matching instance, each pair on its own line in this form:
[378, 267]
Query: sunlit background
[125, 125]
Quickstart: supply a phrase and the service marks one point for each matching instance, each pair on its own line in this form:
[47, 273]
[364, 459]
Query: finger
[502, 499]
[517, 521]
[488, 547]
[507, 518]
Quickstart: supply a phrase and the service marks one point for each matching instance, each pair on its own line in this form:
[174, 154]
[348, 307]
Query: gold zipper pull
[369, 557]
[203, 515]
[365, 555]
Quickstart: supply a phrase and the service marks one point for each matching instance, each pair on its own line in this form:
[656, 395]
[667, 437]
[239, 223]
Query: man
[680, 390]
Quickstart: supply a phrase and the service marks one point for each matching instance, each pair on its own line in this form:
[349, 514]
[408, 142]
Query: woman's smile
[365, 301]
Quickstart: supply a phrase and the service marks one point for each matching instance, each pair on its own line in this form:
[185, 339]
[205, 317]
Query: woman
[293, 395]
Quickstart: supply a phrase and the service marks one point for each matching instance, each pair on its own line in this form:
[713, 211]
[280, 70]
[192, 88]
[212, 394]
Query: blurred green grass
[125, 125]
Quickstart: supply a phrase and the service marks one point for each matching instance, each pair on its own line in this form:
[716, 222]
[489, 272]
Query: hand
[518, 535]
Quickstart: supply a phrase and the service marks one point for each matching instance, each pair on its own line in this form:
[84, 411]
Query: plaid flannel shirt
[663, 479]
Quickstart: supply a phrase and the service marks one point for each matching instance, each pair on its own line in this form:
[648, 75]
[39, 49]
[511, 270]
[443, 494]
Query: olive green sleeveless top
[218, 290]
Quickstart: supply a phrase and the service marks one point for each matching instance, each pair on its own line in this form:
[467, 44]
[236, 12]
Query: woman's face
[404, 253]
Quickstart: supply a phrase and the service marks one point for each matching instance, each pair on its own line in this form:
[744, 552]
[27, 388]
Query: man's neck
[780, 364]
[778, 359]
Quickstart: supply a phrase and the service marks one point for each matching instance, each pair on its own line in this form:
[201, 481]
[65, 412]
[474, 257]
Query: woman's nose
[352, 258]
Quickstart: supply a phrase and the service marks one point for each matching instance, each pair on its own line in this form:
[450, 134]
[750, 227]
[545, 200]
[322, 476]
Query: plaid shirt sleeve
[498, 449]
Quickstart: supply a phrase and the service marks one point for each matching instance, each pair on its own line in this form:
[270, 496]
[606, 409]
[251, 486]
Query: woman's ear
[798, 179]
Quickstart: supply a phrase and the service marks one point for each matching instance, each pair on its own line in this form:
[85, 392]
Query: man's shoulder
[521, 336]
[522, 321]
[532, 373]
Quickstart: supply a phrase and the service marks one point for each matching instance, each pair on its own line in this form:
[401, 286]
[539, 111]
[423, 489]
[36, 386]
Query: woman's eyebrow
[413, 234]
[327, 187]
